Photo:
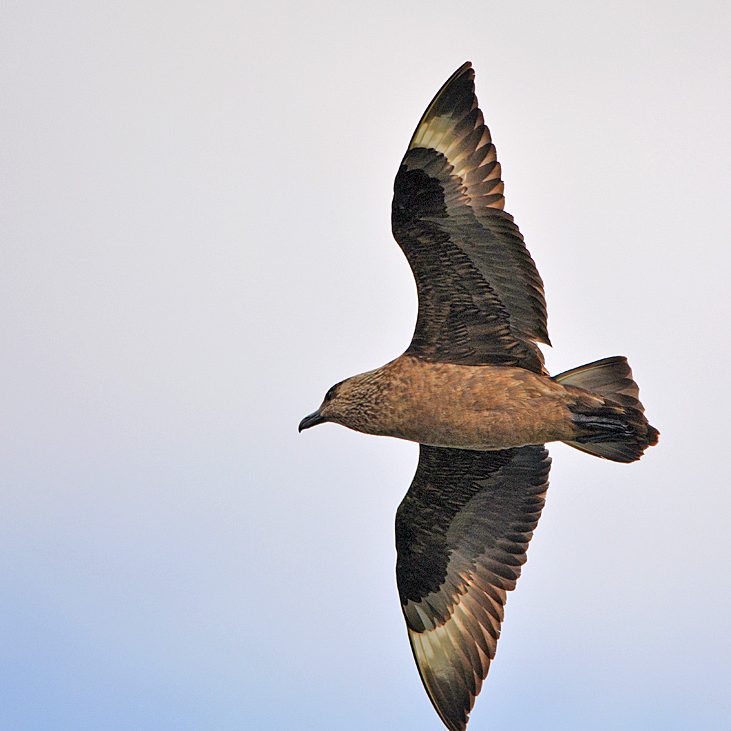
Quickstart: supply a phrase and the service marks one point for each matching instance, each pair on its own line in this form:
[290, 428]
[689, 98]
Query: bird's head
[348, 403]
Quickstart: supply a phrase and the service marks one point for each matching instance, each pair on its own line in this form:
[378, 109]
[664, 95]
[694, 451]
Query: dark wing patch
[447, 217]
[462, 534]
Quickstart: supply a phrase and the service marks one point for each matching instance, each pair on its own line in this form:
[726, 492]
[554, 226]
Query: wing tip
[464, 70]
[464, 67]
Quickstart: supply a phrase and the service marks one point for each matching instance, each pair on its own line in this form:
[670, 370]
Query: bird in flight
[473, 391]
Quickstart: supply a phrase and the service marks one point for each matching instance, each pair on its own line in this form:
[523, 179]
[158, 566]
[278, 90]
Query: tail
[612, 426]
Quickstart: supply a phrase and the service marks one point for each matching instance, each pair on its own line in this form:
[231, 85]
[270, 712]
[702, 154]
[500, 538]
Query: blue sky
[196, 245]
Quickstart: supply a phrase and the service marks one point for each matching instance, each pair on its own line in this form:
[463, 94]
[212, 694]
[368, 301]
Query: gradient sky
[194, 221]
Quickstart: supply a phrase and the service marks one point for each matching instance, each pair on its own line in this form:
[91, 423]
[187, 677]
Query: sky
[195, 236]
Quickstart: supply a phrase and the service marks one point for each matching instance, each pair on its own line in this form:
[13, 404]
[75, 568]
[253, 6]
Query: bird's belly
[482, 430]
[479, 407]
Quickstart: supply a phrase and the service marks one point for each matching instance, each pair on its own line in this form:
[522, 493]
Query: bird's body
[479, 407]
[473, 391]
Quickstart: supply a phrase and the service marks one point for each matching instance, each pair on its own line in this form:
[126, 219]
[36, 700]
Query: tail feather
[615, 427]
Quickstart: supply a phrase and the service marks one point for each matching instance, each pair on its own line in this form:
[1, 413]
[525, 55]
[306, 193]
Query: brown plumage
[473, 391]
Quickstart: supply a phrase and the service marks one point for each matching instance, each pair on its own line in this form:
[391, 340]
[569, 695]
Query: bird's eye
[331, 392]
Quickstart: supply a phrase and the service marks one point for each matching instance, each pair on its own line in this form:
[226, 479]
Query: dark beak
[312, 420]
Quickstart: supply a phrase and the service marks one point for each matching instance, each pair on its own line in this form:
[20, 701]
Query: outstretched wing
[480, 296]
[462, 533]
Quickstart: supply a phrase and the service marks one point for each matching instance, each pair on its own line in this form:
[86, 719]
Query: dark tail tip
[617, 429]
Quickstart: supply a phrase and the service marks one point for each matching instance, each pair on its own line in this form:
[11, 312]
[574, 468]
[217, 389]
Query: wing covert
[462, 534]
[480, 296]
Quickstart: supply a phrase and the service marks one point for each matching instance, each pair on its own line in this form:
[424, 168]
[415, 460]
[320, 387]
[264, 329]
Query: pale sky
[195, 231]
